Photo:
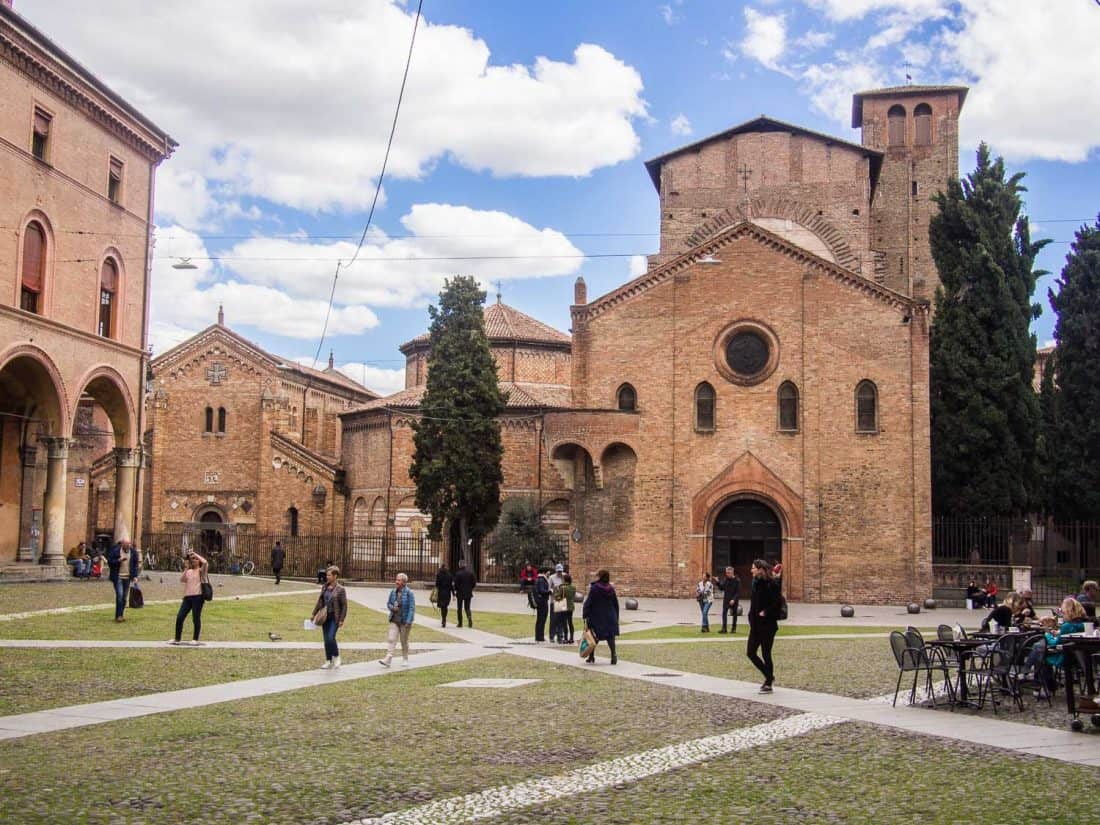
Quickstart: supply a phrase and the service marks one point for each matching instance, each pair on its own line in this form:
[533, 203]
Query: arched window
[221, 420]
[788, 407]
[866, 407]
[209, 428]
[108, 290]
[292, 521]
[895, 118]
[34, 268]
[922, 125]
[627, 398]
[704, 407]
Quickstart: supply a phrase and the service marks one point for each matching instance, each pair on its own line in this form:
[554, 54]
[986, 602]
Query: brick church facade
[762, 390]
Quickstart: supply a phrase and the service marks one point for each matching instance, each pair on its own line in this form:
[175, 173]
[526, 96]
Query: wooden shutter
[108, 276]
[41, 123]
[34, 257]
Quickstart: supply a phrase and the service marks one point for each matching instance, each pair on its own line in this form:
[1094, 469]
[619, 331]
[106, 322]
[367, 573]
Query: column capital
[127, 457]
[57, 447]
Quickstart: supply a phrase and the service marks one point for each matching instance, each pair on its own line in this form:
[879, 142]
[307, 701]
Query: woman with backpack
[764, 610]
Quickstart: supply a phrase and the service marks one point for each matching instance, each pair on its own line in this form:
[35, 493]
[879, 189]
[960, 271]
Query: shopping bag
[433, 597]
[137, 598]
[588, 643]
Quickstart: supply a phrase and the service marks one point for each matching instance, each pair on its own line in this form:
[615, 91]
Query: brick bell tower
[917, 130]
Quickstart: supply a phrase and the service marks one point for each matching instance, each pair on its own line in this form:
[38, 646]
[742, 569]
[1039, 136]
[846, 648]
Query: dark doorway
[745, 530]
[211, 539]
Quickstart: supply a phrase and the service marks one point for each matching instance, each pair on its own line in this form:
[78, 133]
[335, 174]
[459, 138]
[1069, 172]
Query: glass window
[627, 398]
[40, 135]
[292, 521]
[221, 419]
[788, 406]
[704, 407]
[209, 420]
[34, 267]
[747, 353]
[866, 407]
[114, 180]
[108, 288]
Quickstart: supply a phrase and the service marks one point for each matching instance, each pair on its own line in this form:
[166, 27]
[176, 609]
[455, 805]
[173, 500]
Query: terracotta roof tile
[521, 395]
[505, 323]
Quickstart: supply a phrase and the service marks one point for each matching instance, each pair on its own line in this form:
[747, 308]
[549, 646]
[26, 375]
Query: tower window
[209, 428]
[221, 420]
[292, 521]
[108, 289]
[40, 133]
[788, 407]
[704, 407]
[916, 189]
[627, 398]
[922, 125]
[34, 268]
[866, 407]
[895, 119]
[114, 181]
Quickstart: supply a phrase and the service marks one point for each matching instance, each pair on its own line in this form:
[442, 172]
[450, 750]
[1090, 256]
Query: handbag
[588, 643]
[321, 616]
[561, 605]
[782, 608]
[531, 601]
[207, 590]
[433, 597]
[137, 598]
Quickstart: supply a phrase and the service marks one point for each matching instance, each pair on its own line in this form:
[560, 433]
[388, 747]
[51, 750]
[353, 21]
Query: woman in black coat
[444, 584]
[763, 620]
[601, 613]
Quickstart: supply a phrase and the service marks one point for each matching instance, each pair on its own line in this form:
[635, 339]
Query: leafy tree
[985, 414]
[456, 463]
[521, 536]
[1074, 435]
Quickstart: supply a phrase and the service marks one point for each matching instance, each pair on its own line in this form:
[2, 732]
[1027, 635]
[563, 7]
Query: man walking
[402, 607]
[464, 584]
[730, 586]
[278, 556]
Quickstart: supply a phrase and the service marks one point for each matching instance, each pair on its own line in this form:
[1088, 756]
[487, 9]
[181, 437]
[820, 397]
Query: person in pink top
[192, 579]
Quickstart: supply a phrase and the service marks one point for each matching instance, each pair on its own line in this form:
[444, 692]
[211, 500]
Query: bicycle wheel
[247, 567]
[149, 560]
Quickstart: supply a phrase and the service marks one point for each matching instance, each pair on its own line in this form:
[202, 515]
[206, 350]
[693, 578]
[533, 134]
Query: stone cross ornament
[216, 373]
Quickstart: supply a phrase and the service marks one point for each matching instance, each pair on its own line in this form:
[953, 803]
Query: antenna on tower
[498, 292]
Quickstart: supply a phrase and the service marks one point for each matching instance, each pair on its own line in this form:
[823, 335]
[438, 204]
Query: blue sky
[523, 134]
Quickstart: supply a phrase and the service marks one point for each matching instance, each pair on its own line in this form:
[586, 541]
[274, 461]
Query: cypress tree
[458, 449]
[985, 414]
[1075, 430]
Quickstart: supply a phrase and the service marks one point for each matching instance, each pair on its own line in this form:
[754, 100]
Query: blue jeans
[122, 588]
[704, 608]
[82, 568]
[328, 630]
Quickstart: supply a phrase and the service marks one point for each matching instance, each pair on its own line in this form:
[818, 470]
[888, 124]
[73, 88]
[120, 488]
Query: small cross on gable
[745, 172]
[216, 373]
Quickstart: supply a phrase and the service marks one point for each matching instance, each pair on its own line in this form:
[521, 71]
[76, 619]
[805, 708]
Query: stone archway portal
[745, 529]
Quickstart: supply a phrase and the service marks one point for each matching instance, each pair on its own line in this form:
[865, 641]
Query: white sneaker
[404, 663]
[327, 665]
[336, 663]
[174, 642]
[384, 662]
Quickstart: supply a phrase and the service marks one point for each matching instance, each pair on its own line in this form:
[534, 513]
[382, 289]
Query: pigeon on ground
[275, 637]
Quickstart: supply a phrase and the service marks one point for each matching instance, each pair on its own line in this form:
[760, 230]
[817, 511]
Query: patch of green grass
[692, 631]
[849, 773]
[509, 625]
[860, 668]
[223, 619]
[40, 678]
[343, 751]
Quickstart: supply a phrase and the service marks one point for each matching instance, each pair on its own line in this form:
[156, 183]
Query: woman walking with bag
[763, 620]
[402, 606]
[444, 584]
[192, 579]
[329, 612]
[601, 613]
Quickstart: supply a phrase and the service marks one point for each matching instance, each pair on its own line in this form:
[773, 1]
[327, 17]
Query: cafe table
[1079, 650]
[963, 650]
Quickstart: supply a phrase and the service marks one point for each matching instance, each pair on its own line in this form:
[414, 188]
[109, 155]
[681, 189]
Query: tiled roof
[505, 323]
[521, 395]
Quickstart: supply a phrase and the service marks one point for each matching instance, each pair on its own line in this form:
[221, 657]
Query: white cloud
[812, 40]
[680, 125]
[830, 85]
[639, 265]
[293, 103]
[382, 381]
[848, 10]
[765, 37]
[668, 14]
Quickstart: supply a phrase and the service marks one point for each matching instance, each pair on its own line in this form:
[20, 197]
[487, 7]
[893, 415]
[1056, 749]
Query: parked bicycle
[231, 563]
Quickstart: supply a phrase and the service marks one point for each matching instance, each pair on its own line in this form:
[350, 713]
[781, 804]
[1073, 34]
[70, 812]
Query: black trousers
[464, 601]
[443, 613]
[541, 612]
[278, 571]
[192, 605]
[731, 609]
[761, 637]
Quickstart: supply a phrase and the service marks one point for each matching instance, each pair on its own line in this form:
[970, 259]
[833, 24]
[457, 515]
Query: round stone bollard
[847, 611]
[631, 603]
[578, 597]
[913, 607]
[929, 604]
[740, 610]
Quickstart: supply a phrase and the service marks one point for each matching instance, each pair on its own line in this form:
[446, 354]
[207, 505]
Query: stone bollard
[847, 611]
[631, 603]
[913, 607]
[929, 604]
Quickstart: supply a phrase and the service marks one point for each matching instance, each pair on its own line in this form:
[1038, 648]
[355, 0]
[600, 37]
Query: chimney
[330, 359]
[580, 292]
[221, 312]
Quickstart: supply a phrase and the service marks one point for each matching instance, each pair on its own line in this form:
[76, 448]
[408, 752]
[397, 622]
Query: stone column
[126, 467]
[53, 515]
[27, 548]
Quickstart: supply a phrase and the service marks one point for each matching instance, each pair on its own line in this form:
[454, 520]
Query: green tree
[458, 449]
[521, 536]
[985, 414]
[1045, 449]
[1074, 438]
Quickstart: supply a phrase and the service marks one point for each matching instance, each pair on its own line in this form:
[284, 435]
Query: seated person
[975, 594]
[97, 566]
[1045, 662]
[1007, 614]
[990, 593]
[1087, 598]
[80, 560]
[1028, 610]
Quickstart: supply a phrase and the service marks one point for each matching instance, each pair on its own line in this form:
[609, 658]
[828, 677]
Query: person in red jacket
[527, 576]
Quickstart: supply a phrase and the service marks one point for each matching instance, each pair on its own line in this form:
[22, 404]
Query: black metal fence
[375, 556]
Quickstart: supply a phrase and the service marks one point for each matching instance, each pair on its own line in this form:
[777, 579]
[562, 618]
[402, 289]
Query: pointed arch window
[704, 407]
[866, 407]
[895, 121]
[108, 292]
[922, 125]
[34, 268]
[788, 407]
[627, 398]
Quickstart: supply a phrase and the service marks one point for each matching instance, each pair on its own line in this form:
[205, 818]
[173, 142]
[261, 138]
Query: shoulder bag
[320, 617]
[137, 598]
[207, 589]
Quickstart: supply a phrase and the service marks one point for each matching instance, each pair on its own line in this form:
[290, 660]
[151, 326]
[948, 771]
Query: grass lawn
[692, 631]
[22, 597]
[860, 668]
[223, 619]
[848, 773]
[509, 625]
[36, 679]
[356, 749]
